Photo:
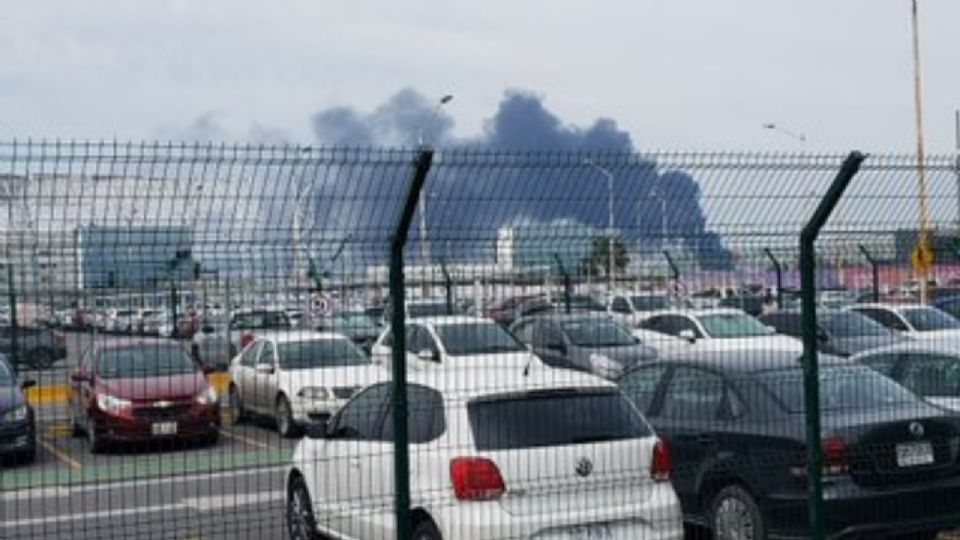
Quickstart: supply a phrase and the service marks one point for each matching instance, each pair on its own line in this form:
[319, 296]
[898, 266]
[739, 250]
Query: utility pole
[957, 168]
[923, 245]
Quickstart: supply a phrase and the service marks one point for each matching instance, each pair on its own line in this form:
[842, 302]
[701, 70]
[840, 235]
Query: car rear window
[842, 387]
[554, 418]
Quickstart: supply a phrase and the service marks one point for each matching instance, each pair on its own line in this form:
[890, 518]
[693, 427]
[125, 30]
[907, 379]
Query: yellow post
[923, 243]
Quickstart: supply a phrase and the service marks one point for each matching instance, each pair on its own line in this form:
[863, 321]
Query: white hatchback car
[456, 341]
[297, 377]
[494, 454]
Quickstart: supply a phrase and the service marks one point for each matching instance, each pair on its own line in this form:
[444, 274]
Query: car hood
[758, 343]
[292, 381]
[10, 397]
[146, 388]
[938, 335]
[857, 344]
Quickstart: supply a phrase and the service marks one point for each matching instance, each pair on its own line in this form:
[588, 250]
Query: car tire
[76, 430]
[211, 439]
[237, 414]
[284, 416]
[735, 514]
[301, 522]
[97, 443]
[40, 358]
[426, 530]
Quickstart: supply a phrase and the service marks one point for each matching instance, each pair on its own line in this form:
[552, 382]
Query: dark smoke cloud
[468, 201]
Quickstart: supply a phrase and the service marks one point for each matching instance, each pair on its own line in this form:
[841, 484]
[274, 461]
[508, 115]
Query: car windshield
[732, 325]
[464, 339]
[592, 334]
[320, 353]
[927, 319]
[554, 418]
[125, 313]
[430, 309]
[842, 387]
[849, 324]
[144, 361]
[6, 373]
[260, 320]
[649, 303]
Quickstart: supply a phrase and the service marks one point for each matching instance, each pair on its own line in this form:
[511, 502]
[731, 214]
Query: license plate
[914, 454]
[590, 532]
[165, 428]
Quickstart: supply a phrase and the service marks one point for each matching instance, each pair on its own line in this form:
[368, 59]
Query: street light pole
[423, 142]
[610, 223]
[799, 137]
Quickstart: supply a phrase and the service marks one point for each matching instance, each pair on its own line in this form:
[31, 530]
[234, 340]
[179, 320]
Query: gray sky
[683, 74]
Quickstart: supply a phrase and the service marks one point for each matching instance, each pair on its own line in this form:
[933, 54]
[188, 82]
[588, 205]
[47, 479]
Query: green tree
[598, 258]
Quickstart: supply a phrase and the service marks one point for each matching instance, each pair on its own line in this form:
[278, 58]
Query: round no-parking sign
[320, 305]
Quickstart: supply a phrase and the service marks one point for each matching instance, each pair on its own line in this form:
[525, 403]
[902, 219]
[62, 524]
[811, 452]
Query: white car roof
[897, 308]
[473, 382]
[291, 336]
[444, 320]
[697, 312]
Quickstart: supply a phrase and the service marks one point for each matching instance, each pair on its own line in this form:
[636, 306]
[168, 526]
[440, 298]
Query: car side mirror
[427, 355]
[264, 369]
[79, 377]
[688, 335]
[317, 429]
[29, 383]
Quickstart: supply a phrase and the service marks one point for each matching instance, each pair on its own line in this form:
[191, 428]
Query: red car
[142, 390]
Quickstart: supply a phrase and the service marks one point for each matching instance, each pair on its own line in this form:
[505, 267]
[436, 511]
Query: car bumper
[16, 437]
[655, 518]
[857, 511]
[306, 411]
[201, 421]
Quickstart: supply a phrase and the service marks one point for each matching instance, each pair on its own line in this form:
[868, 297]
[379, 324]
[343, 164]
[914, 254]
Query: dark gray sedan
[591, 342]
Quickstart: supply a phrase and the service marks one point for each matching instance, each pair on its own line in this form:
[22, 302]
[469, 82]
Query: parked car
[578, 302]
[950, 304]
[914, 320]
[929, 369]
[297, 377]
[458, 341]
[679, 331]
[495, 455]
[142, 317]
[631, 309]
[356, 325]
[121, 321]
[705, 299]
[733, 421]
[589, 342]
[220, 339]
[38, 348]
[18, 427]
[139, 389]
[840, 333]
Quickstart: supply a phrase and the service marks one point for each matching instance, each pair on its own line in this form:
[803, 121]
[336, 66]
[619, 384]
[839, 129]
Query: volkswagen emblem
[916, 429]
[584, 467]
[162, 404]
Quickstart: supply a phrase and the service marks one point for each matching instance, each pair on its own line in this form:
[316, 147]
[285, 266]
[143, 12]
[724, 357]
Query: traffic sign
[922, 258]
[320, 305]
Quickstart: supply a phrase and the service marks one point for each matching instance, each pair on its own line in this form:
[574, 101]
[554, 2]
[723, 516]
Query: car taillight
[835, 459]
[834, 456]
[245, 339]
[661, 465]
[476, 479]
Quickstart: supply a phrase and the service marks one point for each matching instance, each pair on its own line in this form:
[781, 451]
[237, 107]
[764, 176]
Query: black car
[37, 347]
[18, 434]
[840, 333]
[735, 425]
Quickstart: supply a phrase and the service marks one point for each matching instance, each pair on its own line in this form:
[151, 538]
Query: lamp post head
[446, 99]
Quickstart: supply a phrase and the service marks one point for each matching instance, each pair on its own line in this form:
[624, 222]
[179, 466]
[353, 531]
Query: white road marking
[34, 493]
[200, 504]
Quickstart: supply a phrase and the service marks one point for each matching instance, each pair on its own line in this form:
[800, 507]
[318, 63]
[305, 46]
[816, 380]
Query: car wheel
[97, 443]
[284, 415]
[735, 515]
[237, 414]
[426, 530]
[301, 523]
[76, 430]
[40, 358]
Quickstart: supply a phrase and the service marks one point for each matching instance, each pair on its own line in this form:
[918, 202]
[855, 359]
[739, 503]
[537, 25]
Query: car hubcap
[299, 515]
[733, 521]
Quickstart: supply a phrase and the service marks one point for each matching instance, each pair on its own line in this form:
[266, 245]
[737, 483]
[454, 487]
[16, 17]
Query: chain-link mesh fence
[597, 345]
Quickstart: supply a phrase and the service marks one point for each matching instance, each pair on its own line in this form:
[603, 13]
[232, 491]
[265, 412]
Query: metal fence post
[401, 455]
[566, 282]
[674, 269]
[14, 325]
[811, 368]
[448, 285]
[874, 269]
[779, 270]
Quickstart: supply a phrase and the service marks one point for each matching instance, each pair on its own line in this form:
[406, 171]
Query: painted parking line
[59, 454]
[246, 440]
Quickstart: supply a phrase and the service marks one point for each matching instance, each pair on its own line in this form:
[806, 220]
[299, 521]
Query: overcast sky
[678, 74]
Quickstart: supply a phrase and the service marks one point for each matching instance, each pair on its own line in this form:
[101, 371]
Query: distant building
[133, 258]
